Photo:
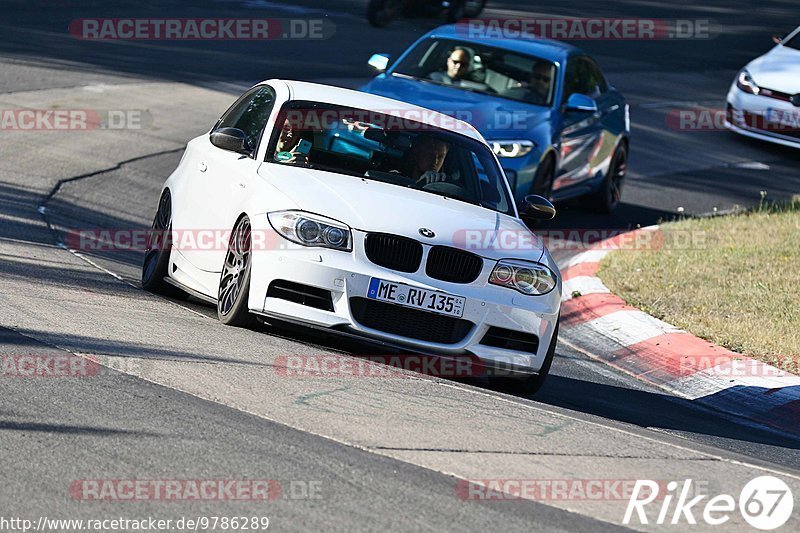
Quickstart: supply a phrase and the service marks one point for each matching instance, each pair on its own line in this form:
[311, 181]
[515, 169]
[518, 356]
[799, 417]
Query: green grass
[733, 280]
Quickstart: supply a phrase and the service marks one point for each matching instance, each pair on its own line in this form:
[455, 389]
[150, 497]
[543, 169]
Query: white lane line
[749, 165]
[682, 104]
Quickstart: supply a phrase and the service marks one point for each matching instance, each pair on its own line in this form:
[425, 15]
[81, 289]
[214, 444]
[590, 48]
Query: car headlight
[533, 279]
[312, 230]
[745, 82]
[512, 148]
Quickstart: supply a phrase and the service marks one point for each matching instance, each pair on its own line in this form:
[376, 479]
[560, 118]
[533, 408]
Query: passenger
[537, 89]
[288, 149]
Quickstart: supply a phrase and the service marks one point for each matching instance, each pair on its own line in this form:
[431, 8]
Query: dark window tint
[794, 42]
[583, 76]
[250, 113]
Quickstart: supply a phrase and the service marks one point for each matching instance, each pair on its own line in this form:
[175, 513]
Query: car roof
[539, 47]
[328, 94]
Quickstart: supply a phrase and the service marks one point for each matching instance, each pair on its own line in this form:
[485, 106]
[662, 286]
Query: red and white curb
[604, 326]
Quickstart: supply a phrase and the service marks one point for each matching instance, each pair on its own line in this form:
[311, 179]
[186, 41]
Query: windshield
[397, 150]
[794, 42]
[481, 69]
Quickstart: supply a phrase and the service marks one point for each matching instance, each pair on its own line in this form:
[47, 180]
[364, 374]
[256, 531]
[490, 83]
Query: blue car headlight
[512, 148]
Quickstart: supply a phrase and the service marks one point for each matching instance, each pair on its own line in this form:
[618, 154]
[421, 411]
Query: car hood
[493, 117]
[380, 207]
[778, 69]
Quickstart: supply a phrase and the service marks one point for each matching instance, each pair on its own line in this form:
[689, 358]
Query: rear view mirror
[581, 102]
[375, 134]
[380, 62]
[537, 208]
[231, 139]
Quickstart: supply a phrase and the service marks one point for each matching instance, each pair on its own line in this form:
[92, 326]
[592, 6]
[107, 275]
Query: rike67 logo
[765, 503]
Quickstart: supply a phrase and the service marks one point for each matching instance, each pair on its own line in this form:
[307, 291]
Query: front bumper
[762, 117]
[347, 275]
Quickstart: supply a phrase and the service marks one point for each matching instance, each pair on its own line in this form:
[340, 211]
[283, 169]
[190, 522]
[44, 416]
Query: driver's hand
[432, 177]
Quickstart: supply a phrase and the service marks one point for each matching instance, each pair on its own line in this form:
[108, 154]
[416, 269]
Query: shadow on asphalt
[650, 410]
[641, 408]
[625, 217]
[69, 430]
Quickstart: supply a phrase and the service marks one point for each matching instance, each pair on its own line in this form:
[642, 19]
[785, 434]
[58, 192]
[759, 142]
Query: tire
[381, 13]
[234, 282]
[608, 197]
[529, 385]
[545, 176]
[155, 266]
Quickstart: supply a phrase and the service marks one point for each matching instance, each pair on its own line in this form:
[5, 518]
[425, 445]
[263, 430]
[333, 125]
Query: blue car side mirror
[581, 102]
[380, 62]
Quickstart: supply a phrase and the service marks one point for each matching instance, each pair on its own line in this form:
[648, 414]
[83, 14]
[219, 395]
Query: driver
[425, 159]
[459, 65]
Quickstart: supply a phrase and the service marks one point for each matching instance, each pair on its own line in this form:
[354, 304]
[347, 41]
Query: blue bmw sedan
[559, 129]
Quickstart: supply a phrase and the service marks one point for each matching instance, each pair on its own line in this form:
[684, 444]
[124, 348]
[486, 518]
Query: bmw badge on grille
[425, 232]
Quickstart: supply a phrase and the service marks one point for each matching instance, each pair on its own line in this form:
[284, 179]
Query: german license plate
[423, 299]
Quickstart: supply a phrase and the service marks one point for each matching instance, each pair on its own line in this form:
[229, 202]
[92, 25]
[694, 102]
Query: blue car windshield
[390, 146]
[794, 42]
[482, 69]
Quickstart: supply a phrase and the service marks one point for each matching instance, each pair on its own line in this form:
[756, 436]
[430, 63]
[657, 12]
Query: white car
[764, 99]
[365, 215]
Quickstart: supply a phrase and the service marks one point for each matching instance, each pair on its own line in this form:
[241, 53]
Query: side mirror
[537, 208]
[380, 62]
[231, 139]
[581, 102]
[777, 39]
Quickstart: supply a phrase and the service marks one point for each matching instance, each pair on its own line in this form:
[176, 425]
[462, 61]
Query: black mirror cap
[231, 139]
[538, 208]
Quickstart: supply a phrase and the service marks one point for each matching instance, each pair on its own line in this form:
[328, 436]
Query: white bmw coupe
[363, 215]
[764, 99]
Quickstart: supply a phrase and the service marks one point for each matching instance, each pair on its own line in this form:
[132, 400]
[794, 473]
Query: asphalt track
[190, 399]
